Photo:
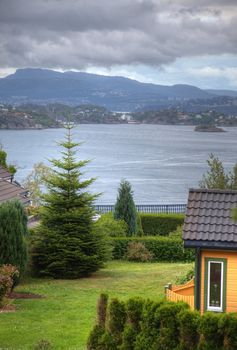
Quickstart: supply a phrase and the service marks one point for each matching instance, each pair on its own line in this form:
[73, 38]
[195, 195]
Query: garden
[66, 312]
[52, 275]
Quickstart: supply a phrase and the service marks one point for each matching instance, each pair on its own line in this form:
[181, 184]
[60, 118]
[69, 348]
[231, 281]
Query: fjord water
[161, 161]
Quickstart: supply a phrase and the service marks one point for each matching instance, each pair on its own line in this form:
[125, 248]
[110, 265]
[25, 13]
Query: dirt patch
[15, 295]
[8, 308]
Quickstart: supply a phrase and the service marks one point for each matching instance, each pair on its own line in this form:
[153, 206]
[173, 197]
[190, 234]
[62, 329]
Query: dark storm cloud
[80, 33]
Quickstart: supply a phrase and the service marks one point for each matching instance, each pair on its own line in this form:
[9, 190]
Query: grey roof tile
[11, 190]
[209, 216]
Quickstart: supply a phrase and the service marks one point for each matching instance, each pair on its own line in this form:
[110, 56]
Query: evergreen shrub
[13, 232]
[167, 314]
[116, 319]
[125, 209]
[227, 325]
[160, 224]
[142, 324]
[162, 248]
[211, 336]
[188, 328]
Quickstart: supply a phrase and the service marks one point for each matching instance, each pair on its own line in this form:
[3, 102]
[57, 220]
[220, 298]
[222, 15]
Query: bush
[134, 308]
[228, 326]
[167, 314]
[150, 326]
[7, 275]
[147, 325]
[13, 231]
[111, 227]
[160, 224]
[177, 233]
[129, 338]
[211, 336]
[137, 251]
[188, 327]
[95, 338]
[162, 248]
[186, 278]
[117, 319]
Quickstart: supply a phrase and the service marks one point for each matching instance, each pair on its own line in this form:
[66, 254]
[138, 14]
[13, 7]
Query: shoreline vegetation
[208, 128]
[37, 117]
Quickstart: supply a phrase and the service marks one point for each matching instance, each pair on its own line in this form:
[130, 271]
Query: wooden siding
[231, 284]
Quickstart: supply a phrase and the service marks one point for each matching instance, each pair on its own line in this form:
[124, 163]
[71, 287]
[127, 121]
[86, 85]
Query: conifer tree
[125, 208]
[66, 245]
[13, 231]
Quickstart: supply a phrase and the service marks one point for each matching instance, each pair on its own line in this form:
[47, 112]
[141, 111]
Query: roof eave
[210, 244]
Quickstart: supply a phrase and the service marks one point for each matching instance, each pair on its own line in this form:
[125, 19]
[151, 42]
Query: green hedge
[140, 324]
[160, 224]
[162, 248]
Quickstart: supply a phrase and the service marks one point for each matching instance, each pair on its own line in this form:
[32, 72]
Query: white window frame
[214, 308]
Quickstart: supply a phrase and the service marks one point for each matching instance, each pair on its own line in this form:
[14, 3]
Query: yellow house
[211, 231]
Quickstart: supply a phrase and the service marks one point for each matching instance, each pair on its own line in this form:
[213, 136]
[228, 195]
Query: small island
[208, 128]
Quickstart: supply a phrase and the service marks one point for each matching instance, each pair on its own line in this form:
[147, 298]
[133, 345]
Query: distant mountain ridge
[116, 93]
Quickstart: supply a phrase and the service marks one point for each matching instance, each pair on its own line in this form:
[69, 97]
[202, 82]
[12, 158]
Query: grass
[67, 312]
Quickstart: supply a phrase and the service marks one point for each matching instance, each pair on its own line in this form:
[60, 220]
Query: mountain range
[115, 93]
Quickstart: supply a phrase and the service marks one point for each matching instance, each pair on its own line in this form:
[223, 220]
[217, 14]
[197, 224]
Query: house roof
[208, 220]
[11, 190]
[4, 174]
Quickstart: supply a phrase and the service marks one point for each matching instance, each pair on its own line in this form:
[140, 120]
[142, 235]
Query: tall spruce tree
[13, 231]
[125, 208]
[66, 245]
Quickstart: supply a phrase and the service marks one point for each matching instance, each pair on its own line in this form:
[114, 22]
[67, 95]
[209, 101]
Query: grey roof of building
[4, 174]
[11, 190]
[209, 217]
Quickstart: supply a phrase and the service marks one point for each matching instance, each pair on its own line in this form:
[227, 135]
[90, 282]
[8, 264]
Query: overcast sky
[160, 41]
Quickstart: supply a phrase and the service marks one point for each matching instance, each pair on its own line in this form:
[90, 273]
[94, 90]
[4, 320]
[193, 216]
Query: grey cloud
[80, 33]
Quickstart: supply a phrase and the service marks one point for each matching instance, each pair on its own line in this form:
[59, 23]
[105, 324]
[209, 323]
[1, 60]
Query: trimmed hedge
[141, 324]
[162, 248]
[160, 224]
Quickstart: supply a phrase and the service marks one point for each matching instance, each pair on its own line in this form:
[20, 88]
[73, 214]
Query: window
[215, 284]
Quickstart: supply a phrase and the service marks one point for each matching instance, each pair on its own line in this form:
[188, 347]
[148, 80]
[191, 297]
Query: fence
[172, 296]
[147, 208]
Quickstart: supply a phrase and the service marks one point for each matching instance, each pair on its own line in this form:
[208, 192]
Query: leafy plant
[8, 274]
[34, 182]
[216, 177]
[138, 252]
[111, 227]
[186, 278]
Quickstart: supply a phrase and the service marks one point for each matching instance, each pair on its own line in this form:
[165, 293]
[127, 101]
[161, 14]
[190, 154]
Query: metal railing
[146, 208]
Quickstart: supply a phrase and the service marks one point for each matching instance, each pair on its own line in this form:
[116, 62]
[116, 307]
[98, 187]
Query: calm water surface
[161, 162]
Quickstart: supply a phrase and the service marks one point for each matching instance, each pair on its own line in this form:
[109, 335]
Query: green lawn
[67, 312]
